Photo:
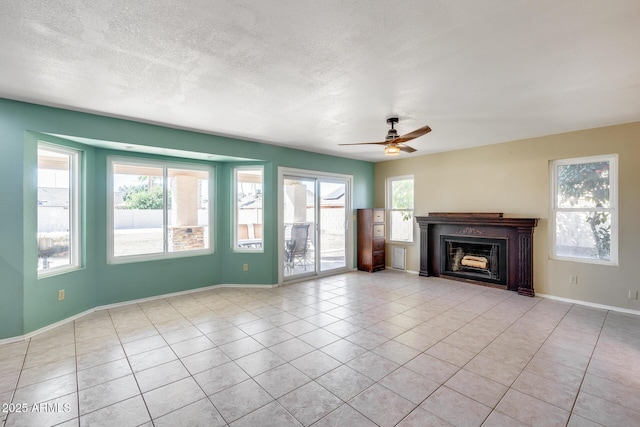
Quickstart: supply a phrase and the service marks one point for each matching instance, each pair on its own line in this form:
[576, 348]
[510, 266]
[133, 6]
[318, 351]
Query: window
[248, 210]
[400, 208]
[158, 209]
[58, 209]
[584, 209]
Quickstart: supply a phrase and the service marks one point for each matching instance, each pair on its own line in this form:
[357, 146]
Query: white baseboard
[55, 325]
[248, 286]
[388, 267]
[153, 298]
[568, 300]
[590, 304]
[580, 302]
[44, 329]
[12, 340]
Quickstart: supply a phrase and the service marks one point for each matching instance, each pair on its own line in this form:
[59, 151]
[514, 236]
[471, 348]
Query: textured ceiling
[313, 74]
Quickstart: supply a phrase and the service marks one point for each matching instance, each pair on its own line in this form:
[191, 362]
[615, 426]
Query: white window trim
[164, 165]
[236, 214]
[75, 228]
[613, 209]
[390, 210]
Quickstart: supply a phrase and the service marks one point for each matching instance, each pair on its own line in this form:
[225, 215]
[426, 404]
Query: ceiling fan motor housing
[392, 134]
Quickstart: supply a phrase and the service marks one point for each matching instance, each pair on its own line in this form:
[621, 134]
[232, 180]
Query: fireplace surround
[482, 248]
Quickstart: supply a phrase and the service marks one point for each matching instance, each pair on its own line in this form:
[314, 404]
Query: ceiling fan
[394, 143]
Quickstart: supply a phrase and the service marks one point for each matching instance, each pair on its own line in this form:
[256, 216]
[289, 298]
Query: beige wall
[513, 178]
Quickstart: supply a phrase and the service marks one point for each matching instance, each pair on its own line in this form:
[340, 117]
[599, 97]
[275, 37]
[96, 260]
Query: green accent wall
[29, 303]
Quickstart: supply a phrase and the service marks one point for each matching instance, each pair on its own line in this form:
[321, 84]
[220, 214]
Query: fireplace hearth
[482, 248]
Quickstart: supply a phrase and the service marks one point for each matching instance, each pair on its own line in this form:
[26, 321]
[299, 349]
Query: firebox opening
[474, 258]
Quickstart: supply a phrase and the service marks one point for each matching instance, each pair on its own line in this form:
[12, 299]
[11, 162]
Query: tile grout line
[75, 359]
[586, 369]
[15, 388]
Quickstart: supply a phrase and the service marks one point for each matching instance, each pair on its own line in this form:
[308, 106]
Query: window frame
[165, 165]
[236, 214]
[75, 204]
[390, 209]
[612, 209]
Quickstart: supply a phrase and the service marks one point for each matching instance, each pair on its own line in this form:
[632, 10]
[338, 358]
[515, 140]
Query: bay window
[158, 209]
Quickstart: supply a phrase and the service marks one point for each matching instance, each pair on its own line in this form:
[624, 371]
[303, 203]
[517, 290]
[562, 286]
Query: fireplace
[475, 258]
[482, 248]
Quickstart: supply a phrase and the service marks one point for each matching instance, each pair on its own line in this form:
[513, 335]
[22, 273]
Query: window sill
[43, 274]
[585, 261]
[157, 257]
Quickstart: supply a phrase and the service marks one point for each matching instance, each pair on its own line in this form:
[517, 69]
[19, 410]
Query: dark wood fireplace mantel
[518, 233]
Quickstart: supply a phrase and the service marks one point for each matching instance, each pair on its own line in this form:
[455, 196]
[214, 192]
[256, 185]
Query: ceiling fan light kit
[394, 144]
[391, 150]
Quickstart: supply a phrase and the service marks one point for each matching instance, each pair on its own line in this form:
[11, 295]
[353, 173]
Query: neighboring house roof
[336, 194]
[335, 198]
[251, 202]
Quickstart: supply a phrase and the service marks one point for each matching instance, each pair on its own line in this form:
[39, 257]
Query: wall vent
[398, 258]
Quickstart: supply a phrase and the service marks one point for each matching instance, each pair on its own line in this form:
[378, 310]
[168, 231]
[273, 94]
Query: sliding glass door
[299, 226]
[314, 236]
[333, 220]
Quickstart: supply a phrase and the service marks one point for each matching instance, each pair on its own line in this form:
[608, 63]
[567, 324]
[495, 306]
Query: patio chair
[299, 244]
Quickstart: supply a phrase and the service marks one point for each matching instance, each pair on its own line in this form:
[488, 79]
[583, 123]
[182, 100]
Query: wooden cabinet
[371, 230]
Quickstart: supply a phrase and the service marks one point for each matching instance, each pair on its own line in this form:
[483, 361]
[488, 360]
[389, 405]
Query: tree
[146, 195]
[145, 199]
[402, 193]
[587, 185]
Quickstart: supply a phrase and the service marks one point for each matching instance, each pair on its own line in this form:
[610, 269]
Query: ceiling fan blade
[412, 135]
[365, 143]
[406, 148]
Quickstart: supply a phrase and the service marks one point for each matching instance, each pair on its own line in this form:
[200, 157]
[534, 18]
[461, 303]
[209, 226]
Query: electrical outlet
[633, 294]
[573, 280]
[60, 294]
[245, 267]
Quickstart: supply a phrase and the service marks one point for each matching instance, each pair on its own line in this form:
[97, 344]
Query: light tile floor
[356, 349]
